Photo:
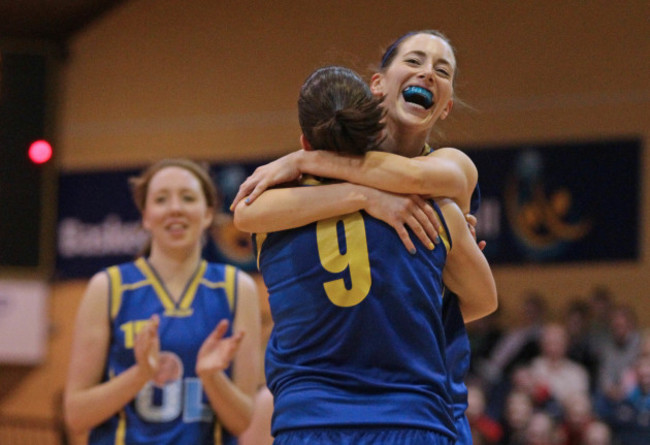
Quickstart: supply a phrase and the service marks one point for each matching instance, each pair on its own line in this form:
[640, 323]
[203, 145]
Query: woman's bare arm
[286, 208]
[447, 172]
[88, 401]
[467, 272]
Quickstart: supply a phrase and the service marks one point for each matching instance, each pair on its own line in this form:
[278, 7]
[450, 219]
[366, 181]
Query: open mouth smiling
[418, 95]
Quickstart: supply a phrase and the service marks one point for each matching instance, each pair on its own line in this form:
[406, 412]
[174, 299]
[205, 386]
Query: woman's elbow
[493, 306]
[491, 302]
[241, 427]
[491, 297]
[482, 307]
[242, 220]
[73, 421]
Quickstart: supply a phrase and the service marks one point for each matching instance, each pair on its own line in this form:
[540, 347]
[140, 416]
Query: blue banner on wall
[541, 203]
[565, 202]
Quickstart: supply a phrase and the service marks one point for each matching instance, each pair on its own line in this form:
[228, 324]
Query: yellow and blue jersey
[357, 323]
[173, 409]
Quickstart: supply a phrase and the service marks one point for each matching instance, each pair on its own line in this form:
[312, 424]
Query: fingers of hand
[154, 322]
[472, 230]
[418, 223]
[238, 197]
[433, 219]
[150, 332]
[217, 353]
[429, 220]
[232, 345]
[244, 190]
[423, 221]
[406, 239]
[238, 337]
[153, 356]
[257, 191]
[147, 345]
[221, 329]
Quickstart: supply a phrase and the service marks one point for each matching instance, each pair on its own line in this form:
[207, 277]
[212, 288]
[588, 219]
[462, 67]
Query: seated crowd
[580, 379]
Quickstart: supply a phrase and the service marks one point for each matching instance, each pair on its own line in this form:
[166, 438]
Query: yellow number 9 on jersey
[355, 258]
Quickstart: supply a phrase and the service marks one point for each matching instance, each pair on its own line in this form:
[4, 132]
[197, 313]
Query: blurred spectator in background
[522, 379]
[541, 430]
[630, 375]
[580, 348]
[483, 334]
[582, 381]
[645, 342]
[619, 353]
[518, 345]
[552, 371]
[629, 417]
[597, 433]
[601, 302]
[578, 415]
[518, 411]
[485, 430]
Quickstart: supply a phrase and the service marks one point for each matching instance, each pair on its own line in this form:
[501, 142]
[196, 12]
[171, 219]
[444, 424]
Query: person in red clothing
[578, 415]
[485, 430]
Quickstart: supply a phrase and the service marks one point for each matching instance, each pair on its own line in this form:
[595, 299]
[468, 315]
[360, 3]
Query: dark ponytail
[338, 112]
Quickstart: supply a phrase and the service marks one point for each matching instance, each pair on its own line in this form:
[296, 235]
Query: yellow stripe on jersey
[158, 288]
[310, 180]
[444, 235]
[120, 432]
[259, 240]
[115, 290]
[187, 299]
[228, 285]
[135, 285]
[218, 433]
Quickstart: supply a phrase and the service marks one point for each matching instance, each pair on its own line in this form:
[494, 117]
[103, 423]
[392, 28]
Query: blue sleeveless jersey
[458, 348]
[174, 409]
[458, 351]
[358, 336]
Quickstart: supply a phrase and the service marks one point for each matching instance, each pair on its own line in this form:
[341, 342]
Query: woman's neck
[174, 268]
[404, 141]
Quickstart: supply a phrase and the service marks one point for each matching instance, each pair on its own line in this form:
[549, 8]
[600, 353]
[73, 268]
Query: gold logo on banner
[542, 218]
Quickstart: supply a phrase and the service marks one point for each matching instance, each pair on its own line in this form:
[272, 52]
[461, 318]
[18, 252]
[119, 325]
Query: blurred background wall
[218, 81]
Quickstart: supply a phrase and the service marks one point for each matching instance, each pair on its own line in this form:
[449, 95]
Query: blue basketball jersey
[458, 348]
[358, 337]
[458, 351]
[173, 409]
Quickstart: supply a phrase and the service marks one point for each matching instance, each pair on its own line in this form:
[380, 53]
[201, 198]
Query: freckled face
[424, 61]
[176, 211]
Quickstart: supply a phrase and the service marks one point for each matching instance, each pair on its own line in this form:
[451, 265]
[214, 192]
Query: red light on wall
[40, 152]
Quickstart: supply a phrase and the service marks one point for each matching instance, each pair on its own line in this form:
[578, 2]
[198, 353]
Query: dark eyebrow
[423, 55]
[415, 53]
